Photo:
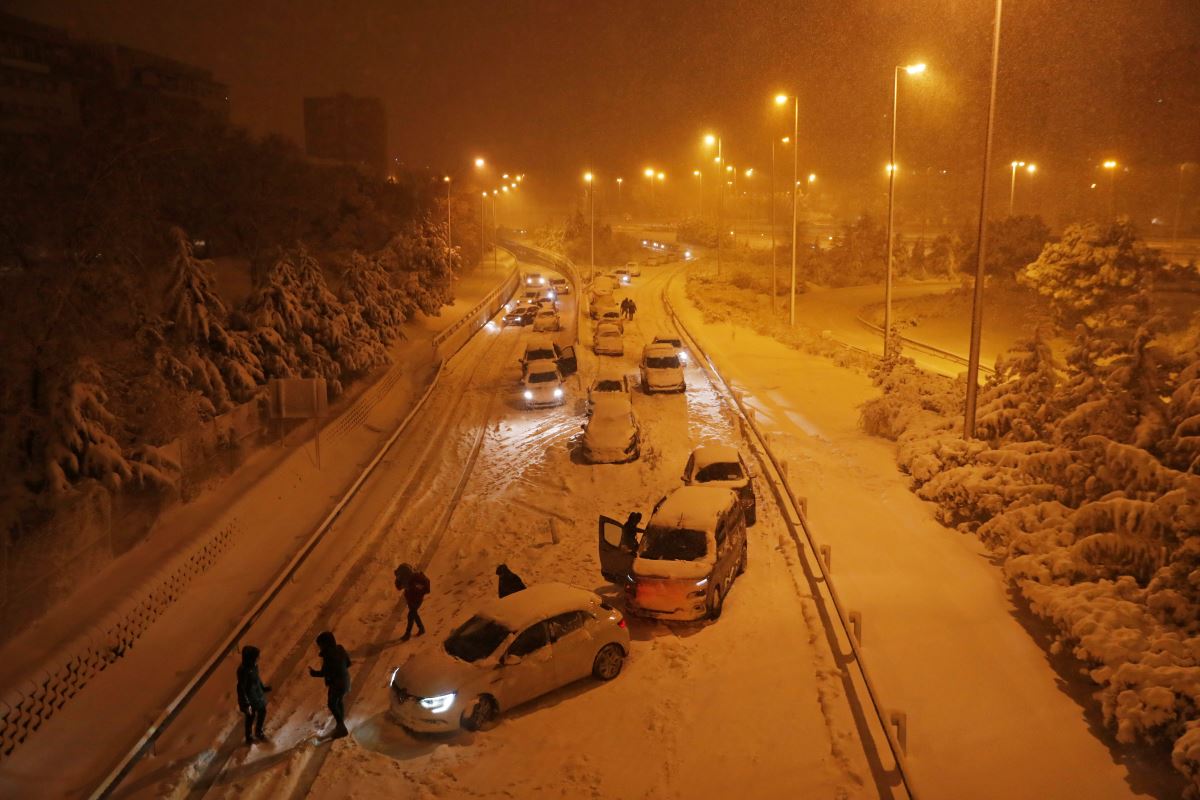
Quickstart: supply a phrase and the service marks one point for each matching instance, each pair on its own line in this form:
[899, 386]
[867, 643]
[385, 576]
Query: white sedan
[608, 340]
[661, 369]
[611, 434]
[512, 650]
[546, 320]
[543, 384]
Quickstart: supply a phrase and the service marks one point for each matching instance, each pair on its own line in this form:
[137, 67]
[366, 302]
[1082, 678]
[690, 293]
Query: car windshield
[673, 544]
[720, 471]
[609, 386]
[543, 377]
[476, 638]
[539, 354]
[662, 362]
[672, 342]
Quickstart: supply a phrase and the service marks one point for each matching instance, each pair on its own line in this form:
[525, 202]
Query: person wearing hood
[252, 695]
[335, 669]
[510, 582]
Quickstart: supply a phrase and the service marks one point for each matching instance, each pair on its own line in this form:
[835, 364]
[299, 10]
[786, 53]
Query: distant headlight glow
[438, 704]
[558, 392]
[683, 358]
[528, 395]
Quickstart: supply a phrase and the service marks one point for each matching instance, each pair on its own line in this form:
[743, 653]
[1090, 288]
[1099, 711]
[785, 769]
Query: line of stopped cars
[680, 566]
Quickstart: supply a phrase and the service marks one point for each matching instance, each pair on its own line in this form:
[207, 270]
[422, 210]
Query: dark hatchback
[521, 315]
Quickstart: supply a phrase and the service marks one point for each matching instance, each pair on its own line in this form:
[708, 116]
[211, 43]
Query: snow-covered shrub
[80, 442]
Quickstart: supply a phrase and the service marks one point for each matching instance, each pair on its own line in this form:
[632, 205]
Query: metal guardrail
[485, 309]
[887, 719]
[928, 349]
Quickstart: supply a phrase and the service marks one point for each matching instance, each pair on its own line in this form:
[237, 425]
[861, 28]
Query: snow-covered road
[753, 704]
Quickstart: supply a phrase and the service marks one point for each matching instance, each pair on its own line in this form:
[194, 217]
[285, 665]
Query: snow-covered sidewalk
[259, 516]
[989, 716]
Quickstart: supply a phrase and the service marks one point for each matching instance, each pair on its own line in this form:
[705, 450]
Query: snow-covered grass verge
[739, 298]
[1085, 481]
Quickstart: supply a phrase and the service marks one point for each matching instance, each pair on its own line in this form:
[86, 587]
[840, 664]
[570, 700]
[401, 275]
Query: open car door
[567, 363]
[616, 560]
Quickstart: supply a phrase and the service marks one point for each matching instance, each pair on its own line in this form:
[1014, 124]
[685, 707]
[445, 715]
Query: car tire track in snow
[209, 766]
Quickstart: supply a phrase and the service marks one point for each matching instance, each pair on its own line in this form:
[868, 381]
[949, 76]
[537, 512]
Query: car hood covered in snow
[434, 672]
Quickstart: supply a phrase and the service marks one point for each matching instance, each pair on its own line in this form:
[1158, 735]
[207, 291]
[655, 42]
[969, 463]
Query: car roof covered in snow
[541, 365]
[521, 609]
[696, 508]
[608, 405]
[714, 454]
[547, 312]
[608, 329]
[659, 349]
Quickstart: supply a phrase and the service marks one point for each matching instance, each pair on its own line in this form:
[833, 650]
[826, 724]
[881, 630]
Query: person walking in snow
[510, 582]
[335, 669]
[252, 695]
[632, 309]
[414, 595]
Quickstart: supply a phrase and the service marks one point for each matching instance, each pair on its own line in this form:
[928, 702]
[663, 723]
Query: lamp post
[1178, 210]
[449, 241]
[587, 178]
[1012, 187]
[619, 182]
[981, 247]
[710, 140]
[699, 192]
[482, 200]
[1031, 170]
[781, 99]
[1111, 166]
[495, 234]
[649, 173]
[911, 69]
[774, 271]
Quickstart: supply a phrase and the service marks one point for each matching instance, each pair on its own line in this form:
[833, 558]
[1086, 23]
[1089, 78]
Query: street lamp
[911, 69]
[1111, 166]
[587, 178]
[449, 241]
[699, 192]
[710, 140]
[781, 100]
[482, 200]
[774, 248]
[1012, 188]
[479, 162]
[619, 182]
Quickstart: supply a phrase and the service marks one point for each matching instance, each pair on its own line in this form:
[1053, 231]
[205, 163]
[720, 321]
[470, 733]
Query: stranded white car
[684, 563]
[546, 320]
[722, 465]
[611, 434]
[675, 342]
[534, 279]
[608, 340]
[561, 285]
[661, 370]
[633, 268]
[543, 384]
[512, 650]
[608, 383]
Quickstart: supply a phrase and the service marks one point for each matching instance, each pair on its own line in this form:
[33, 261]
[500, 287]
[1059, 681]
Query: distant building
[37, 92]
[49, 80]
[347, 130]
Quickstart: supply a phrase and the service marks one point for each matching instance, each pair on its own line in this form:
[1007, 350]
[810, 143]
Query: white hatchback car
[510, 651]
[611, 434]
[543, 384]
[662, 370]
[546, 320]
[608, 340]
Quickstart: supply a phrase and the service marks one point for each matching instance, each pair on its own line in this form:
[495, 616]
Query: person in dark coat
[629, 531]
[252, 695]
[335, 669]
[414, 595]
[632, 309]
[510, 582]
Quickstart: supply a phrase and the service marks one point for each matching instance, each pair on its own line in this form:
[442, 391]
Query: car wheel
[608, 662]
[752, 514]
[716, 603]
[742, 560]
[481, 714]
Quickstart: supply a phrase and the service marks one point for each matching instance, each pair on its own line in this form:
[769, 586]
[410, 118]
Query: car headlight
[392, 680]
[551, 295]
[683, 358]
[558, 392]
[438, 704]
[528, 395]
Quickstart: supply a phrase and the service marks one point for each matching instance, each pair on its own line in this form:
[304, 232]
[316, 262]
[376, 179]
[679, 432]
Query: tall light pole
[911, 69]
[981, 247]
[774, 271]
[649, 173]
[1012, 188]
[1031, 169]
[710, 140]
[619, 182]
[1178, 211]
[1111, 166]
[699, 192]
[495, 233]
[449, 241]
[781, 99]
[482, 222]
[587, 178]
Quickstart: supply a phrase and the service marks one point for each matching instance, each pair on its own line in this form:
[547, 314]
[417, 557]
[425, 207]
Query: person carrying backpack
[510, 582]
[414, 595]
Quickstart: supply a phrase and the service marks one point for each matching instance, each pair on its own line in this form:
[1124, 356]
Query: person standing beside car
[252, 695]
[335, 669]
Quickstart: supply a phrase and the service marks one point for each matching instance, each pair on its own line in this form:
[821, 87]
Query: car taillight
[621, 622]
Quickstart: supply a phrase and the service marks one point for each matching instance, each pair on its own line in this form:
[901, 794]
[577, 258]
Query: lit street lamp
[479, 162]
[781, 99]
[911, 69]
[482, 200]
[710, 140]
[449, 241]
[587, 178]
[699, 192]
[649, 173]
[619, 182]
[1111, 166]
[1012, 188]
[774, 248]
